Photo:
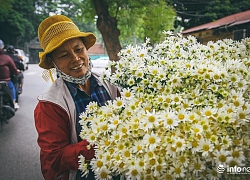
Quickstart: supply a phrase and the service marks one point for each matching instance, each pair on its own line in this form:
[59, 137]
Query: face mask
[79, 80]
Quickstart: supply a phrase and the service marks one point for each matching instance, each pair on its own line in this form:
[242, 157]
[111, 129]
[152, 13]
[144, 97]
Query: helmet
[1, 44]
[10, 49]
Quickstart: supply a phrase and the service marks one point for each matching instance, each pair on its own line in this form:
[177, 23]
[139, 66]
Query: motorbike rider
[18, 80]
[7, 69]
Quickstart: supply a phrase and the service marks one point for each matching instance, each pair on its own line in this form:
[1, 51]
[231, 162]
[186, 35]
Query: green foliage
[5, 7]
[197, 12]
[16, 25]
[138, 20]
[156, 19]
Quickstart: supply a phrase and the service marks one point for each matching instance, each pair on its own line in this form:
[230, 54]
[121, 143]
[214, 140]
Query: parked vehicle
[24, 57]
[7, 110]
[101, 62]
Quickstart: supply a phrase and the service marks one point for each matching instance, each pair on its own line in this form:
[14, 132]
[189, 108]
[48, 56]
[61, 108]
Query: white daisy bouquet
[184, 110]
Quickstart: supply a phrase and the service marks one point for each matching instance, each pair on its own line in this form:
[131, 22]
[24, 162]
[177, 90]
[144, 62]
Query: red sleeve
[57, 154]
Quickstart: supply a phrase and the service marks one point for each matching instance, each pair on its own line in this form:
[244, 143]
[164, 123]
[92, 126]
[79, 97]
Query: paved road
[19, 152]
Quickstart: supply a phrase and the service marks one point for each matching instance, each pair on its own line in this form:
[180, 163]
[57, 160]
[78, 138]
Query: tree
[117, 18]
[107, 25]
[16, 27]
[196, 12]
[116, 21]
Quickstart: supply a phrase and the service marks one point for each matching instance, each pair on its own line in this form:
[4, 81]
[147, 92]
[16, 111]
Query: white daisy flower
[151, 140]
[205, 147]
[103, 174]
[179, 144]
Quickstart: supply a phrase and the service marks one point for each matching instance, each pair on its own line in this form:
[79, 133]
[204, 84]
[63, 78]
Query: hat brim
[89, 41]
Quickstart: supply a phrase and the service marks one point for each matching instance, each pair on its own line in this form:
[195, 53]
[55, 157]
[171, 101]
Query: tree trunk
[107, 25]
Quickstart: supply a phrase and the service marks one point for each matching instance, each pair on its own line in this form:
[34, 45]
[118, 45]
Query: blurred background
[119, 23]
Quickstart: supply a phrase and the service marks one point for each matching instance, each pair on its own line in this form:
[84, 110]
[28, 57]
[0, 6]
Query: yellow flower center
[242, 115]
[179, 144]
[92, 137]
[139, 148]
[151, 140]
[181, 116]
[176, 99]
[154, 71]
[237, 103]
[191, 117]
[224, 141]
[175, 80]
[120, 146]
[104, 127]
[177, 170]
[133, 107]
[185, 105]
[126, 153]
[127, 94]
[124, 130]
[222, 158]
[151, 119]
[103, 175]
[107, 142]
[134, 172]
[108, 158]
[194, 143]
[196, 130]
[168, 177]
[182, 159]
[205, 127]
[214, 173]
[135, 126]
[235, 154]
[197, 166]
[152, 162]
[205, 147]
[216, 76]
[213, 138]
[141, 163]
[158, 168]
[117, 137]
[150, 154]
[208, 113]
[117, 158]
[173, 149]
[118, 103]
[170, 121]
[233, 163]
[99, 164]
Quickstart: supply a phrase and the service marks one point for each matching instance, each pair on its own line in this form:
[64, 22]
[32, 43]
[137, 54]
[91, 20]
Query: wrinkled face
[71, 57]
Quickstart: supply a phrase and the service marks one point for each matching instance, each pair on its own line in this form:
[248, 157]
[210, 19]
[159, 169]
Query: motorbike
[18, 83]
[7, 110]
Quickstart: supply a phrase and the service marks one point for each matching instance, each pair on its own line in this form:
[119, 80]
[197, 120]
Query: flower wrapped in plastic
[184, 111]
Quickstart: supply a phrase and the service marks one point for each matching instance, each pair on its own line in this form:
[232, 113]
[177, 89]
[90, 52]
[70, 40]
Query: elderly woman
[57, 112]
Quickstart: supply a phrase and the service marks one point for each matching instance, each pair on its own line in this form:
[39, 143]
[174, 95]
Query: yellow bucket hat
[54, 31]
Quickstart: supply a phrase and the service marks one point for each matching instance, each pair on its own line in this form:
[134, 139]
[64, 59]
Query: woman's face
[71, 57]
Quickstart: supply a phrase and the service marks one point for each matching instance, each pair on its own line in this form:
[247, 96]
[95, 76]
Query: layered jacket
[55, 121]
[7, 67]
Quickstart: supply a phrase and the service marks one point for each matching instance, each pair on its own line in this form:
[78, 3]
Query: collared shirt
[98, 94]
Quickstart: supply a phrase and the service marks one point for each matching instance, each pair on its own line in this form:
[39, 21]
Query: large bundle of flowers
[184, 111]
